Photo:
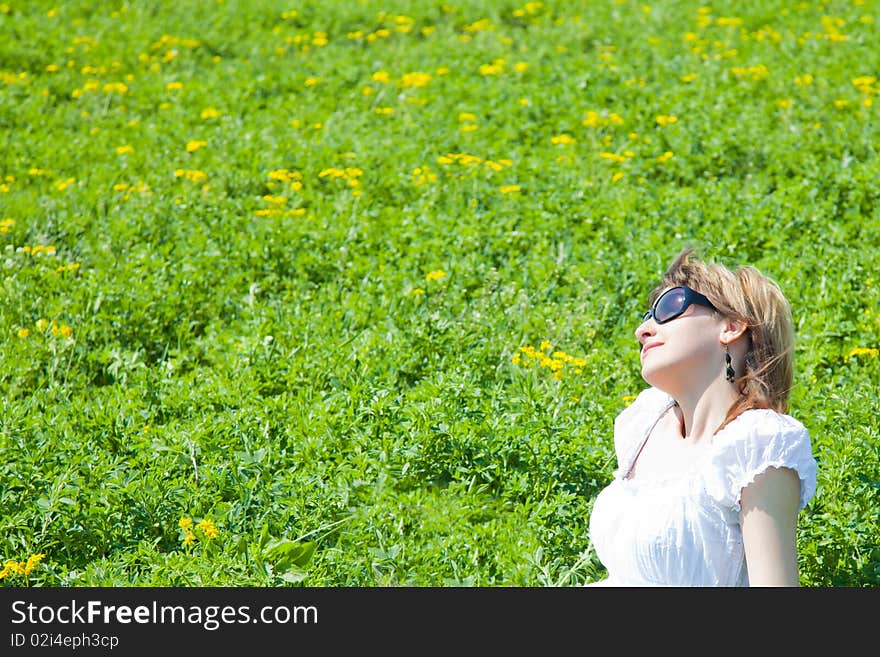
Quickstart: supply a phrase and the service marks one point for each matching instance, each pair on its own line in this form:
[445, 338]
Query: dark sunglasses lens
[670, 305]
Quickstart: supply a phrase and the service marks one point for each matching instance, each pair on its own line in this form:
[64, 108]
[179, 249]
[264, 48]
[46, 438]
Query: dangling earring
[730, 373]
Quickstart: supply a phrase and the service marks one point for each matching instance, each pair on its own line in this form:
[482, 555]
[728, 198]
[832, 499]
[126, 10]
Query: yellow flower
[189, 538]
[124, 150]
[185, 523]
[118, 87]
[664, 120]
[507, 189]
[492, 69]
[9, 568]
[194, 145]
[32, 562]
[208, 528]
[193, 175]
[210, 113]
[23, 333]
[416, 292]
[415, 79]
[435, 275]
[861, 351]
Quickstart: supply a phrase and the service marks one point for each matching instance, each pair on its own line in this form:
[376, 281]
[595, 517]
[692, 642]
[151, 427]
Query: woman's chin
[655, 378]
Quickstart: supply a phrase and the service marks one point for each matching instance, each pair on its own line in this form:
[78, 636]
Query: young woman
[712, 472]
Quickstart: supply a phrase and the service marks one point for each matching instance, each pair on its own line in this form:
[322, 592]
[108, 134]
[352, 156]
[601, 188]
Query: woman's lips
[650, 345]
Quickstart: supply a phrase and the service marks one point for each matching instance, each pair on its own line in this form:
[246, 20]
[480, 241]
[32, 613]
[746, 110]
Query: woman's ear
[732, 330]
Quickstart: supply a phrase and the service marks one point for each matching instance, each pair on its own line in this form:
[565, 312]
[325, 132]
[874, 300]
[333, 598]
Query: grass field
[343, 293]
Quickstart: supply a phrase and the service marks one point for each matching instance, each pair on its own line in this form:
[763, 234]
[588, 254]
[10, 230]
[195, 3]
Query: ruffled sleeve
[750, 444]
[633, 422]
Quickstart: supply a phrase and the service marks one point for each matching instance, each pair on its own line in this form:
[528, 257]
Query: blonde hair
[746, 295]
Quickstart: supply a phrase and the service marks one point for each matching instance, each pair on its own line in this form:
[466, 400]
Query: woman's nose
[645, 329]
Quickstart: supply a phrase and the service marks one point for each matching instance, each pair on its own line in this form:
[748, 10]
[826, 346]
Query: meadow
[329, 293]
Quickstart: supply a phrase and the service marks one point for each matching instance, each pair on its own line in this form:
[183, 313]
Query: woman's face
[683, 352]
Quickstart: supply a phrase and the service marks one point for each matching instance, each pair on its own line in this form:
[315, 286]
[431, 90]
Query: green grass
[193, 347]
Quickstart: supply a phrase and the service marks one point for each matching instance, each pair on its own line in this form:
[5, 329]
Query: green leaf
[264, 536]
[293, 576]
[285, 554]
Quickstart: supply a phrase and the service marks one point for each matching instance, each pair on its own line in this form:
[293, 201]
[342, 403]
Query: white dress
[683, 529]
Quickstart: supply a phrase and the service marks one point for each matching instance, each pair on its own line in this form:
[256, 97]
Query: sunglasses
[674, 302]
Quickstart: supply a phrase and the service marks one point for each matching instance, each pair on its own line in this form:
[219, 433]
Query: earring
[730, 373]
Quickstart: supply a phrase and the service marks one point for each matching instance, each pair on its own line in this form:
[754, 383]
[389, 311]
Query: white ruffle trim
[806, 472]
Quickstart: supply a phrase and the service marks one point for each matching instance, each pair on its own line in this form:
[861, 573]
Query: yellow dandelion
[435, 275]
[415, 79]
[115, 87]
[23, 333]
[862, 351]
[194, 145]
[508, 189]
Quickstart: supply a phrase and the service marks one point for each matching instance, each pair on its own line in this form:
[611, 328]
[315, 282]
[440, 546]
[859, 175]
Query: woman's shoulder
[760, 424]
[754, 441]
